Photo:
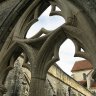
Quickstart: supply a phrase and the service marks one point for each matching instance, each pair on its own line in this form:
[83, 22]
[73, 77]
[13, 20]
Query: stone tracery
[42, 52]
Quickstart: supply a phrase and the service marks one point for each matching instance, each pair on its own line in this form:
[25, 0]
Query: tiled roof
[82, 65]
[82, 82]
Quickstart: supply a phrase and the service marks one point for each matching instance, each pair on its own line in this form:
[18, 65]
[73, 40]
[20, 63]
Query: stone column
[3, 90]
[37, 87]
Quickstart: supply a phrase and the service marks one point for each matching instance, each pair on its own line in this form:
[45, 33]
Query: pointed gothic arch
[79, 27]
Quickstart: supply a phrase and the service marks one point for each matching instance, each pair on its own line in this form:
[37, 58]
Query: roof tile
[82, 65]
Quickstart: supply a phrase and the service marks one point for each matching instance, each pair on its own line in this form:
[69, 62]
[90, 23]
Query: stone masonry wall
[18, 79]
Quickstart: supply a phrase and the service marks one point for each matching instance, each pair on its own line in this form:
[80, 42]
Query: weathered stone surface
[10, 12]
[16, 18]
[89, 6]
[6, 8]
[16, 82]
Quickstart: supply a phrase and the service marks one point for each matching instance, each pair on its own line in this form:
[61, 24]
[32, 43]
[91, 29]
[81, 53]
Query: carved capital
[3, 90]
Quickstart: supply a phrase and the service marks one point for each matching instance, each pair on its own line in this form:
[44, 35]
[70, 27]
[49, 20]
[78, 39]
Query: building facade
[58, 83]
[82, 73]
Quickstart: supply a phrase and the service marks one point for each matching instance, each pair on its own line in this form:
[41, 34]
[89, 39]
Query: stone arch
[43, 51]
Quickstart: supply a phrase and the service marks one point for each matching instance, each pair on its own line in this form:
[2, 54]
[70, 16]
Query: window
[84, 76]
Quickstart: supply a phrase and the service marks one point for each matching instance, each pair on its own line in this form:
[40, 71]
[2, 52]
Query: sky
[67, 49]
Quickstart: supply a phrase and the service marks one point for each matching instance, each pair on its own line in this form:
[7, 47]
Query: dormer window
[84, 76]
